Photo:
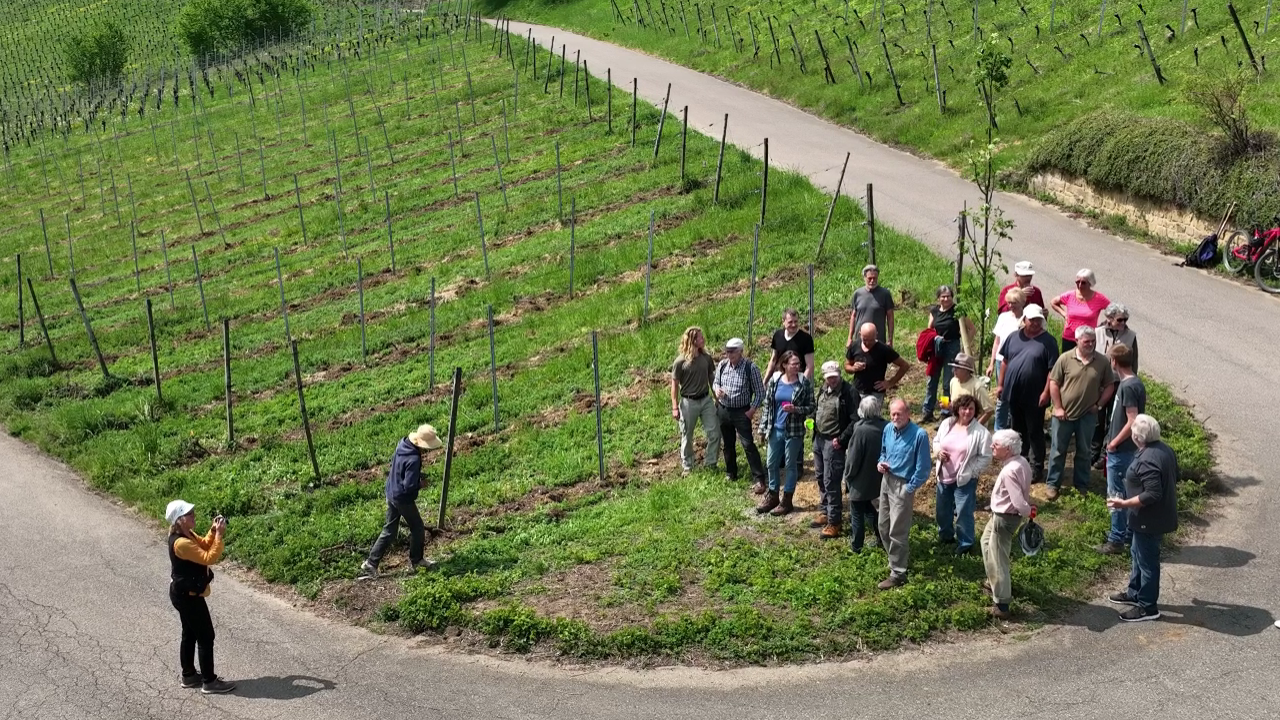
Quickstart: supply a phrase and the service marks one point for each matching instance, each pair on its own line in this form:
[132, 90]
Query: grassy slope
[526, 511]
[1085, 75]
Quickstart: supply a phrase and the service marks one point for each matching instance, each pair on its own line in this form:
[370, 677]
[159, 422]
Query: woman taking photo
[962, 449]
[943, 321]
[189, 576]
[1079, 307]
[788, 399]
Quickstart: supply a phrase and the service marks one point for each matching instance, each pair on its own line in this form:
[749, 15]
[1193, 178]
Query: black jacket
[860, 474]
[405, 477]
[1152, 478]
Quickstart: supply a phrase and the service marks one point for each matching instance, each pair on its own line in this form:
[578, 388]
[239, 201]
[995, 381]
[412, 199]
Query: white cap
[830, 368]
[734, 343]
[1032, 311]
[177, 509]
[1024, 268]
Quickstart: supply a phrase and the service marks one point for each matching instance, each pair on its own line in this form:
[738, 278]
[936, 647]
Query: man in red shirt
[1023, 273]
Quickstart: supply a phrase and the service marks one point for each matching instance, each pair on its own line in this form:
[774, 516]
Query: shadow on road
[288, 687]
[1216, 556]
[1219, 617]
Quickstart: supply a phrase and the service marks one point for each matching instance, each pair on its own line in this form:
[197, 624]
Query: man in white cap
[190, 556]
[837, 408]
[403, 482]
[739, 390]
[1023, 273]
[1027, 357]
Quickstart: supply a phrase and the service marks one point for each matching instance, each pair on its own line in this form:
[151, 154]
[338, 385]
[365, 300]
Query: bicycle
[1258, 248]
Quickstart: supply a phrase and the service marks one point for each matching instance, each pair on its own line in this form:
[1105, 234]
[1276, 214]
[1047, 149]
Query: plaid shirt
[742, 386]
[802, 400]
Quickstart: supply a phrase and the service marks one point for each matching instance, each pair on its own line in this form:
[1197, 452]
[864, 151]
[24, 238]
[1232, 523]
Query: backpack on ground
[1205, 255]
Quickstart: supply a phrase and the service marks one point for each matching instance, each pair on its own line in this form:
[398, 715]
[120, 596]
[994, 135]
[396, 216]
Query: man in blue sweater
[905, 462]
[403, 482]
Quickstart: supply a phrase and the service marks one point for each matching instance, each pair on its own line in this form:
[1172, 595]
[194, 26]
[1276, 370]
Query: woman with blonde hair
[691, 398]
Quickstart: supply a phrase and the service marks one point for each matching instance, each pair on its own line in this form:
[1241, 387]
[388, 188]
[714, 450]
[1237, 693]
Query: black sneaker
[1139, 614]
[367, 571]
[217, 686]
[1111, 548]
[1121, 598]
[191, 681]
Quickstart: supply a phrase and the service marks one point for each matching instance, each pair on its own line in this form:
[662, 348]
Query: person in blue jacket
[403, 482]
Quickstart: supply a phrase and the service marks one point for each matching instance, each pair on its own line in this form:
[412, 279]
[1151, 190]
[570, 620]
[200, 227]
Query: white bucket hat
[177, 509]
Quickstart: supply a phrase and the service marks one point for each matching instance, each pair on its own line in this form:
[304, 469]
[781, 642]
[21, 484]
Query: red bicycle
[1258, 248]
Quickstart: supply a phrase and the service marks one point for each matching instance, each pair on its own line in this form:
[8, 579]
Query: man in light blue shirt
[905, 463]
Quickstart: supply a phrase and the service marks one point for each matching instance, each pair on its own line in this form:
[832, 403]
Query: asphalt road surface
[86, 630]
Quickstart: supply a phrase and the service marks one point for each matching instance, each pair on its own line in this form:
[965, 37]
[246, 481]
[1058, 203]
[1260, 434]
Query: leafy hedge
[1164, 160]
[212, 26]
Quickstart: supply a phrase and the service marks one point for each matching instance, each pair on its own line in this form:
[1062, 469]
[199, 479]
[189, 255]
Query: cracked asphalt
[86, 630]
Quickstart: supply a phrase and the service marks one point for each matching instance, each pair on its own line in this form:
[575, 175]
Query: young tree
[991, 74]
[988, 228]
[97, 57]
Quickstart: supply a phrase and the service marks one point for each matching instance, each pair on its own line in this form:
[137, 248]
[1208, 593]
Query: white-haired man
[1081, 383]
[739, 391]
[1010, 502]
[1152, 504]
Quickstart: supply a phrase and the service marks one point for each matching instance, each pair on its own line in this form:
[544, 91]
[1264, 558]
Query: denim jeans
[1063, 432]
[1117, 464]
[397, 509]
[1144, 578]
[1003, 420]
[955, 513]
[828, 466]
[1026, 418]
[782, 448]
[863, 515]
[946, 351]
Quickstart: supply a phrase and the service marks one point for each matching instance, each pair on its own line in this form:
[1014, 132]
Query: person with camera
[190, 556]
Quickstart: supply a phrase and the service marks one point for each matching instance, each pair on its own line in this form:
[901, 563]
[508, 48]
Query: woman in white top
[1007, 324]
[962, 448]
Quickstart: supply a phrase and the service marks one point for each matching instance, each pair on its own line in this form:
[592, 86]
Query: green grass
[676, 567]
[1084, 76]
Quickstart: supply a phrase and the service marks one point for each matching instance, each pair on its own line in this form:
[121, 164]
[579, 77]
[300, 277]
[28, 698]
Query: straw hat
[425, 437]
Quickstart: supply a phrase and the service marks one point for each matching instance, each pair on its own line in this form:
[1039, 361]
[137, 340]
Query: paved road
[86, 631]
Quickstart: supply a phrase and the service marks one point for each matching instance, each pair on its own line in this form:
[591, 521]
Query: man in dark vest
[403, 482]
[189, 576]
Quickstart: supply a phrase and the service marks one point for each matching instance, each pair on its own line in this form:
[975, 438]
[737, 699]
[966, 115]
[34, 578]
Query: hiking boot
[1139, 614]
[758, 487]
[1052, 493]
[1111, 548]
[425, 564]
[892, 581]
[191, 681]
[784, 507]
[928, 418]
[1000, 613]
[819, 520]
[767, 503]
[368, 571]
[830, 532]
[1037, 475]
[946, 541]
[1121, 598]
[967, 550]
[217, 686]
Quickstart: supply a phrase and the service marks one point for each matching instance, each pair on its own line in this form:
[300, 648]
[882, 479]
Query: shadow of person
[288, 687]
[1219, 617]
[1210, 556]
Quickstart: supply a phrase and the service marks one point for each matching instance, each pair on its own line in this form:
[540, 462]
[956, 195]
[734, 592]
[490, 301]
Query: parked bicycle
[1258, 248]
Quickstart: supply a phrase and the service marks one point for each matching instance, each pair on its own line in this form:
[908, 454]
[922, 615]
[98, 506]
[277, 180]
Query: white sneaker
[367, 571]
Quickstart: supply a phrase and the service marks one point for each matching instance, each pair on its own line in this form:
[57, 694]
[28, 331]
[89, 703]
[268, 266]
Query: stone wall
[1164, 219]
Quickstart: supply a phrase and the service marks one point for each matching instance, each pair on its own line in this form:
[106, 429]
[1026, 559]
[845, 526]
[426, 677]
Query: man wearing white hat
[739, 390]
[403, 482]
[190, 556]
[837, 408]
[1027, 357]
[1023, 273]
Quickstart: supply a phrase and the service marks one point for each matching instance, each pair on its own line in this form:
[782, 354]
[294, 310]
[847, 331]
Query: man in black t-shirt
[869, 360]
[791, 337]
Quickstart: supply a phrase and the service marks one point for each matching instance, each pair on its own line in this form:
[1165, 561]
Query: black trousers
[397, 509]
[1027, 419]
[740, 425]
[1098, 447]
[197, 630]
[863, 513]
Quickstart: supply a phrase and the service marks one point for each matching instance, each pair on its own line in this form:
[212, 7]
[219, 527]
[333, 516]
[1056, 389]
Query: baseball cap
[830, 368]
[1024, 268]
[734, 343]
[177, 509]
[1032, 311]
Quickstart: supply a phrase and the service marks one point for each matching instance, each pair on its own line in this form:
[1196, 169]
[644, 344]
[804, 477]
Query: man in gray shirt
[872, 304]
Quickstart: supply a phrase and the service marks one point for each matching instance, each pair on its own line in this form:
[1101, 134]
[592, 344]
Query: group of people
[1090, 380]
